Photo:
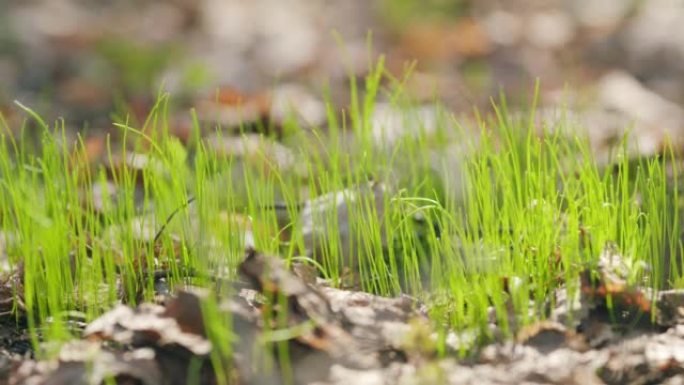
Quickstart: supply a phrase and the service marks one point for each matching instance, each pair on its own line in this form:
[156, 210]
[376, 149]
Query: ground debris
[645, 359]
[145, 326]
[547, 336]
[264, 111]
[84, 362]
[322, 328]
[335, 336]
[609, 292]
[670, 308]
[321, 340]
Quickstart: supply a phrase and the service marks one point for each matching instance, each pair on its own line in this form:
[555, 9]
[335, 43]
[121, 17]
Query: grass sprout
[526, 209]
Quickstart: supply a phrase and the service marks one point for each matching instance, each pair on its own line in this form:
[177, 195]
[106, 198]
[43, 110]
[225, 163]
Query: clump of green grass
[534, 208]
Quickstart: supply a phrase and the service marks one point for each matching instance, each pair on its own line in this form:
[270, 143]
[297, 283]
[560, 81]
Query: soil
[622, 73]
[351, 337]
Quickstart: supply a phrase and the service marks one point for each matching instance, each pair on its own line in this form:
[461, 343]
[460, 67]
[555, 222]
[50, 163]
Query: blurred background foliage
[83, 59]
